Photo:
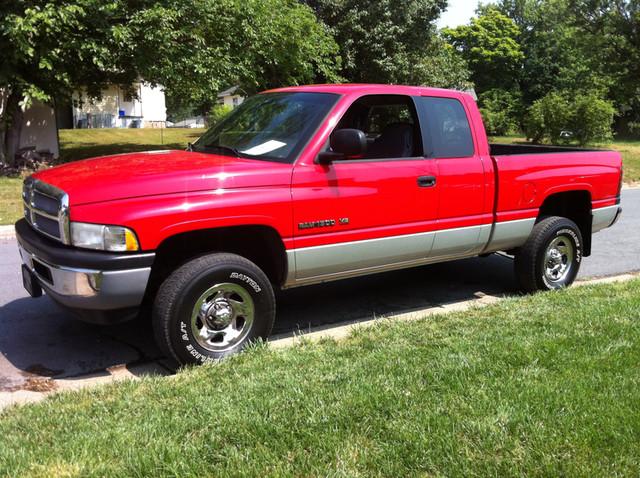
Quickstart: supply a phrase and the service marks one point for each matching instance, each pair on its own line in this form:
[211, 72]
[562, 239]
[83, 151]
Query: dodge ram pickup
[298, 186]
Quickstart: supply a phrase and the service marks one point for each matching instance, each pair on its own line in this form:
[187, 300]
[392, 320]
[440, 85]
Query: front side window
[390, 124]
[269, 126]
[446, 130]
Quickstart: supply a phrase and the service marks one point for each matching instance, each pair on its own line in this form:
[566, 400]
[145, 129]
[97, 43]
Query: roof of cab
[360, 88]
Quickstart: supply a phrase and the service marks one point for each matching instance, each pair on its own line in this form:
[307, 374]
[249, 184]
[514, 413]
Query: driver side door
[373, 212]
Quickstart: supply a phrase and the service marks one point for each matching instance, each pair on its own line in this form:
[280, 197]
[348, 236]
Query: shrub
[548, 117]
[593, 118]
[500, 111]
[585, 115]
[218, 113]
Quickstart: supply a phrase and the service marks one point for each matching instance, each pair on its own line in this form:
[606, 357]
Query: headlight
[103, 238]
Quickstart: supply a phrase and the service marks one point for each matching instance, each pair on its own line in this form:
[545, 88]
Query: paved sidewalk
[7, 232]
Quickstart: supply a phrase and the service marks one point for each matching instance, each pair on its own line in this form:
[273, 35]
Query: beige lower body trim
[509, 234]
[325, 263]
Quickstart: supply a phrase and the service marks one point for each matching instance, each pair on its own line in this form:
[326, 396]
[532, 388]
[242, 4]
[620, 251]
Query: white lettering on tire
[246, 279]
[191, 349]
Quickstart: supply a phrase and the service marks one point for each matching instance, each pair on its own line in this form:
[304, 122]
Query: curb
[337, 332]
[7, 232]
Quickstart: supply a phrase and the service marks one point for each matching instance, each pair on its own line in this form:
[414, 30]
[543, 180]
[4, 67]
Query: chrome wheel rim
[222, 317]
[558, 260]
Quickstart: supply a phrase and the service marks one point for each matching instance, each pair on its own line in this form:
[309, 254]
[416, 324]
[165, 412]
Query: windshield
[270, 126]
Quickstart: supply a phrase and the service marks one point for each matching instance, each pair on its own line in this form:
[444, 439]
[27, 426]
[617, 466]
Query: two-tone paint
[377, 217]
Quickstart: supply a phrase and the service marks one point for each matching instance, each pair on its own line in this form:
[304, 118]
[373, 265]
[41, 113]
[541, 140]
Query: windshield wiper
[221, 147]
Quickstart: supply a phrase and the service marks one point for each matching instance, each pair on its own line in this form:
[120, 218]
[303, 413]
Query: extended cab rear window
[445, 128]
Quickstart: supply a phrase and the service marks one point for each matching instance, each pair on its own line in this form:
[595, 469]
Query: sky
[458, 13]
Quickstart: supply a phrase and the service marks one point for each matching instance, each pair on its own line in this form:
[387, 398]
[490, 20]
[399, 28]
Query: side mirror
[344, 143]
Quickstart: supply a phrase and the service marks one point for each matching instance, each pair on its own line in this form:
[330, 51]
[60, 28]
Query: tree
[611, 31]
[192, 47]
[440, 67]
[47, 48]
[206, 45]
[389, 41]
[490, 46]
[556, 55]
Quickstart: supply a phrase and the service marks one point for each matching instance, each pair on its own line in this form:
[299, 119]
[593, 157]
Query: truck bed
[528, 174]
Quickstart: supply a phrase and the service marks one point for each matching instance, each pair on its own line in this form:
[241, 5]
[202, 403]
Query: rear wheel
[550, 259]
[211, 307]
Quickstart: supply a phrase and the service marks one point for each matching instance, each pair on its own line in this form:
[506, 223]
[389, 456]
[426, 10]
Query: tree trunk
[12, 118]
[4, 95]
[13, 127]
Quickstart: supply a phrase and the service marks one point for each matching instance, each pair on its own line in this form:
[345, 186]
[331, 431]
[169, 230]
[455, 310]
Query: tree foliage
[501, 111]
[391, 41]
[548, 117]
[217, 114]
[558, 49]
[192, 47]
[559, 116]
[610, 30]
[593, 117]
[556, 56]
[490, 45]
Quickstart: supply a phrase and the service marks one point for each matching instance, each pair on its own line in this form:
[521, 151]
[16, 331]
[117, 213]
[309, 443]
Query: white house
[231, 97]
[118, 109]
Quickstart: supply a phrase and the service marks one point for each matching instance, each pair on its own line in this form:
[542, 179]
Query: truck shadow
[39, 340]
[391, 293]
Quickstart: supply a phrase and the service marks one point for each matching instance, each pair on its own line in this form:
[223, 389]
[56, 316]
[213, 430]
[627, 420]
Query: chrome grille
[46, 208]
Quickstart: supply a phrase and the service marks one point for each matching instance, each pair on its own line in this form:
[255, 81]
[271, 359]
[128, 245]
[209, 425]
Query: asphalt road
[37, 339]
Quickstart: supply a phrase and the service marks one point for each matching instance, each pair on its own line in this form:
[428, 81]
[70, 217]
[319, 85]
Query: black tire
[234, 280]
[530, 262]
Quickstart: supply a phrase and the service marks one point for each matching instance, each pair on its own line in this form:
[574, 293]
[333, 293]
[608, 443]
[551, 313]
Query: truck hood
[151, 173]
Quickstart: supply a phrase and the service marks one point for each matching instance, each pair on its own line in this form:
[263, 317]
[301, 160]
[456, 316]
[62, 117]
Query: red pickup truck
[299, 186]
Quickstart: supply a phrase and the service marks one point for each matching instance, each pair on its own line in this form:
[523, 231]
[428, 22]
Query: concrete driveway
[37, 340]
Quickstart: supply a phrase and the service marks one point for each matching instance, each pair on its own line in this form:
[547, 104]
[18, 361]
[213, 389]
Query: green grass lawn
[10, 200]
[629, 149]
[87, 143]
[543, 385]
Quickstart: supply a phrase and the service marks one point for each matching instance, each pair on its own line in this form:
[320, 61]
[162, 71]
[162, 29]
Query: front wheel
[211, 307]
[550, 259]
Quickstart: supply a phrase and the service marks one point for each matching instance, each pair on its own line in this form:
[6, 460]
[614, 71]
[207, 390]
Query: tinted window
[445, 128]
[271, 126]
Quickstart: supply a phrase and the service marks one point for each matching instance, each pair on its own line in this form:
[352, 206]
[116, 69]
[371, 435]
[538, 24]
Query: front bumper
[89, 282]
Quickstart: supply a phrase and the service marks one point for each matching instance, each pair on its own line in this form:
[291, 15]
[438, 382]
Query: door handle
[426, 181]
